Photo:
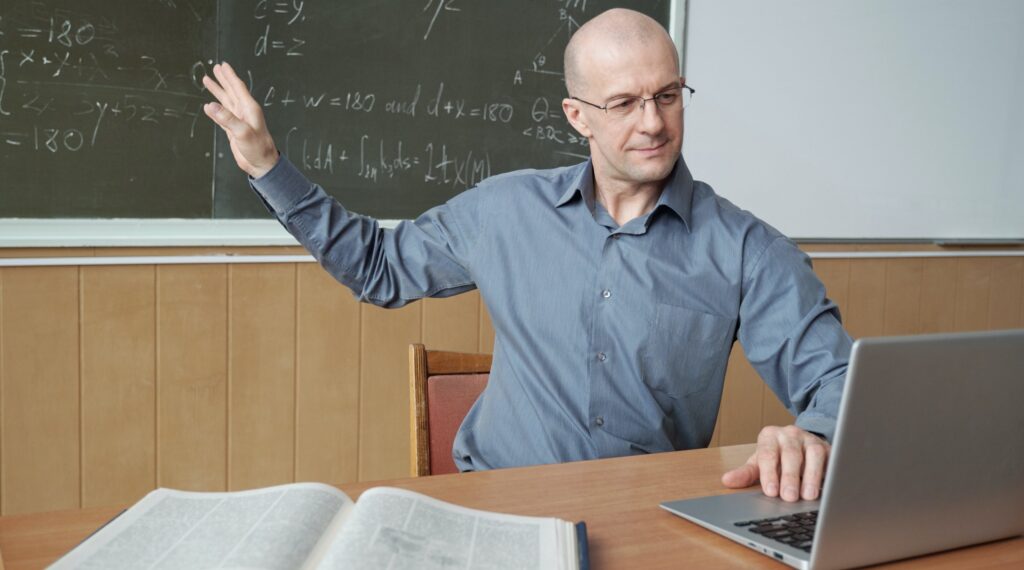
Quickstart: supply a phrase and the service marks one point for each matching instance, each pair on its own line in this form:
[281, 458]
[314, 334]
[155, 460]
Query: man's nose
[650, 116]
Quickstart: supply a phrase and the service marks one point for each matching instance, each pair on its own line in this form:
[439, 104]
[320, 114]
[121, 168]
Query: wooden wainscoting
[885, 297]
[118, 379]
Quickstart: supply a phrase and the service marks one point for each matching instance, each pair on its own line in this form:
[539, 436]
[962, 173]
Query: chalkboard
[393, 106]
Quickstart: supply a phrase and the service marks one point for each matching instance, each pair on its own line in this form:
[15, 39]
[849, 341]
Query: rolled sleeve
[282, 187]
[428, 257]
[793, 336]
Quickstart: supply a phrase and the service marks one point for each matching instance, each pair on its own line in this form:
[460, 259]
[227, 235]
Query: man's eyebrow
[675, 83]
[665, 87]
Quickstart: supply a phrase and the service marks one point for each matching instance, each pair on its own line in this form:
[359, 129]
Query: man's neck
[625, 202]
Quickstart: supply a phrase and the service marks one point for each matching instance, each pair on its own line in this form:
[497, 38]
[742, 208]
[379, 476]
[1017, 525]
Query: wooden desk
[618, 498]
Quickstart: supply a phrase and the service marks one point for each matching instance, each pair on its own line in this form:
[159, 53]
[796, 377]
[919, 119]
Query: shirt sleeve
[428, 257]
[793, 336]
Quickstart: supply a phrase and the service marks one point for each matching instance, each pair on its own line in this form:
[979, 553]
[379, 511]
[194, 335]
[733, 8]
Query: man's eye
[622, 104]
[667, 98]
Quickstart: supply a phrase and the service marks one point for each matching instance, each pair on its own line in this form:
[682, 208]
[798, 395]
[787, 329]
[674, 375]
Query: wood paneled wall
[118, 379]
[885, 297]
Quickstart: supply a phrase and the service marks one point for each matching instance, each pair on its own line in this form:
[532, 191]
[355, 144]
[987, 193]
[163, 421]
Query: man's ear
[574, 113]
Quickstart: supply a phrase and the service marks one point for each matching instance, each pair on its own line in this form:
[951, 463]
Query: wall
[851, 108]
[118, 379]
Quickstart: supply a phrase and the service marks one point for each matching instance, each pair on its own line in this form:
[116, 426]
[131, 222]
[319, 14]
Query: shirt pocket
[686, 351]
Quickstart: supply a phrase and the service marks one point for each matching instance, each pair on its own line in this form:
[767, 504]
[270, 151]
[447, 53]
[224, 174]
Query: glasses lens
[667, 99]
[623, 107]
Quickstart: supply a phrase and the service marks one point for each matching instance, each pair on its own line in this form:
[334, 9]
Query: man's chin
[654, 172]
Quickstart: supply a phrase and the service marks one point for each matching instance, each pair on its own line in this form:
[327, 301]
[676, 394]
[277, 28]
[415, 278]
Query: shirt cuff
[282, 187]
[822, 427]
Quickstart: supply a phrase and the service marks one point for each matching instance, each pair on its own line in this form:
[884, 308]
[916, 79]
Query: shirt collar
[582, 184]
[677, 195]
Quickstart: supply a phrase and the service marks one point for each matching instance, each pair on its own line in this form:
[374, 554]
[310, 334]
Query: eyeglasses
[622, 107]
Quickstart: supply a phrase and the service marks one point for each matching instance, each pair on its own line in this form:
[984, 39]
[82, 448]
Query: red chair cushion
[449, 398]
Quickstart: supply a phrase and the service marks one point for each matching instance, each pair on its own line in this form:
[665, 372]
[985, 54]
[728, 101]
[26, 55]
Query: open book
[310, 525]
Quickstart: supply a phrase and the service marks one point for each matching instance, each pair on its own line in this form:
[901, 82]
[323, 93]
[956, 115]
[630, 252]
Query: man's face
[642, 147]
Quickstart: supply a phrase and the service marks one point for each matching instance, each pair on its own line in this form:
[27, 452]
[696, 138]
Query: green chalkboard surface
[392, 105]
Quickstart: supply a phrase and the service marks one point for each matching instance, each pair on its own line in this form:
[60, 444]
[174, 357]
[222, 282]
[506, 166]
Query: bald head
[616, 29]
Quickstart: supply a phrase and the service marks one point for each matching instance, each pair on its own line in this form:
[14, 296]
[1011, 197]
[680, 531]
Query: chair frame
[424, 363]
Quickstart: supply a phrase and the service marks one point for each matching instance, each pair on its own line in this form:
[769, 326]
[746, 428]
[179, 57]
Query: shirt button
[606, 293]
[602, 356]
[599, 421]
[616, 236]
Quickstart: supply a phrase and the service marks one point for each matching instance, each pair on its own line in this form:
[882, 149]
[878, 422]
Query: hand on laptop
[797, 455]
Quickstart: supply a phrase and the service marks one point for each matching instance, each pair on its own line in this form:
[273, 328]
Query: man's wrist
[260, 172]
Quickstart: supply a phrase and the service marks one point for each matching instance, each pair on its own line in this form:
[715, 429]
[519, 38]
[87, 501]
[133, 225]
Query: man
[616, 286]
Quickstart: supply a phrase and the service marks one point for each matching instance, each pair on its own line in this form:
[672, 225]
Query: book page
[398, 529]
[271, 528]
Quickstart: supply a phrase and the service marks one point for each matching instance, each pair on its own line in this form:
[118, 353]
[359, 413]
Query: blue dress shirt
[609, 340]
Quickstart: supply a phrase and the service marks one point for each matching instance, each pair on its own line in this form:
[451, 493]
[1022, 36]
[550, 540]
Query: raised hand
[242, 120]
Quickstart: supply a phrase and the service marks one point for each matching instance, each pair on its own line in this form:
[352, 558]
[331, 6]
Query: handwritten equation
[429, 93]
[67, 76]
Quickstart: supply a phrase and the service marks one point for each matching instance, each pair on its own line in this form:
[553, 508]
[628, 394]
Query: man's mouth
[650, 149]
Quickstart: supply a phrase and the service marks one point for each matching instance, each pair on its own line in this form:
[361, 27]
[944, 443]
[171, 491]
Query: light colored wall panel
[1007, 297]
[118, 376]
[327, 376]
[866, 301]
[973, 289]
[902, 296]
[384, 390]
[261, 375]
[318, 382]
[21, 252]
[192, 375]
[486, 329]
[452, 323]
[835, 275]
[938, 295]
[2, 498]
[41, 462]
[742, 401]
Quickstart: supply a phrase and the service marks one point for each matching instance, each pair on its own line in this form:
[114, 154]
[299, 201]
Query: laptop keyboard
[796, 530]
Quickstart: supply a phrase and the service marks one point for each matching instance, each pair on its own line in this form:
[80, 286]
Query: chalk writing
[436, 7]
[375, 159]
[421, 96]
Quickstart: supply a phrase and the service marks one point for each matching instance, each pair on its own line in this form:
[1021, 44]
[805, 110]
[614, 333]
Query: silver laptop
[928, 456]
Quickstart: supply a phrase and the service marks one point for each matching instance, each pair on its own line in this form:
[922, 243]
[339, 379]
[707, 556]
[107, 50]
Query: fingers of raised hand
[226, 119]
[241, 118]
[224, 81]
[233, 82]
[217, 91]
[243, 104]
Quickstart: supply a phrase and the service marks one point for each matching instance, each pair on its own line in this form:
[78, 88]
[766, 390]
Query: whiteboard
[861, 119]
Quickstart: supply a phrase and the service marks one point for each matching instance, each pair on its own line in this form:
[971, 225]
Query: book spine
[581, 546]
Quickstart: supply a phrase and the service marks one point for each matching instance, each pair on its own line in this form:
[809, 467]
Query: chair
[443, 387]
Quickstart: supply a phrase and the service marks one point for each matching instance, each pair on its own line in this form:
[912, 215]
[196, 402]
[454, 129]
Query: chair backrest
[443, 387]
